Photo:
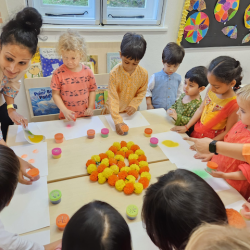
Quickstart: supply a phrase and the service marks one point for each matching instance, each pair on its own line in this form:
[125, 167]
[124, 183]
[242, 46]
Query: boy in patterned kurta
[127, 81]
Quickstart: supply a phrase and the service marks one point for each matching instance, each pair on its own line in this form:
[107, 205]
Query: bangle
[186, 127]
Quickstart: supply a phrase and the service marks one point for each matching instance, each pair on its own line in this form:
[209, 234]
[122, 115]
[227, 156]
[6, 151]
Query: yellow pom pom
[127, 169]
[133, 156]
[96, 158]
[119, 185]
[146, 174]
[105, 162]
[130, 144]
[138, 188]
[135, 167]
[110, 154]
[107, 172]
[91, 168]
[119, 158]
[143, 164]
[124, 149]
[130, 178]
[115, 169]
[139, 152]
[117, 145]
[101, 178]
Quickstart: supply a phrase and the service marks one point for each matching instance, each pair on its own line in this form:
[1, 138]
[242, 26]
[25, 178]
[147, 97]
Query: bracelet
[186, 127]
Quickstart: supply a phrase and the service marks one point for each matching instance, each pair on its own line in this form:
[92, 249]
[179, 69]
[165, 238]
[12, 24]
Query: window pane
[126, 3]
[67, 2]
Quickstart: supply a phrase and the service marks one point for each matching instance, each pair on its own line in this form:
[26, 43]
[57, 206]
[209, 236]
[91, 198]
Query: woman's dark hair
[226, 69]
[23, 29]
[9, 170]
[198, 75]
[178, 203]
[133, 46]
[96, 226]
[173, 54]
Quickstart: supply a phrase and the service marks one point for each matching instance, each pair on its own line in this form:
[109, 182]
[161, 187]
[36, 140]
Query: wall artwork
[230, 31]
[197, 5]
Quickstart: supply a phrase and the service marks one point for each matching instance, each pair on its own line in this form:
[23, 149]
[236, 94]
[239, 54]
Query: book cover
[112, 60]
[94, 59]
[99, 99]
[35, 70]
[90, 65]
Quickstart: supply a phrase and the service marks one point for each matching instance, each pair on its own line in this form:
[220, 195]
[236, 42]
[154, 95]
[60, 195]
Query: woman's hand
[179, 129]
[204, 157]
[201, 145]
[17, 118]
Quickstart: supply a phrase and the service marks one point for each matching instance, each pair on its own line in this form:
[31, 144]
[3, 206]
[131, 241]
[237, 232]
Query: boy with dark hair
[127, 81]
[165, 87]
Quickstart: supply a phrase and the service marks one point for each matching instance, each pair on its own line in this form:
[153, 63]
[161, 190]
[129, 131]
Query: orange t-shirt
[74, 88]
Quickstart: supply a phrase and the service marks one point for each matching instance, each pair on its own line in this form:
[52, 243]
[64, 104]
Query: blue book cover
[49, 60]
[42, 101]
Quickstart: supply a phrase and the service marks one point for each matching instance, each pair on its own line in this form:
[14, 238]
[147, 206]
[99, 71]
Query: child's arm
[151, 85]
[237, 176]
[90, 110]
[53, 246]
[149, 103]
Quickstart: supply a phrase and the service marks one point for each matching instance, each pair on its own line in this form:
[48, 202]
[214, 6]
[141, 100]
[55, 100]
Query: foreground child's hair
[244, 93]
[72, 41]
[173, 54]
[198, 75]
[98, 226]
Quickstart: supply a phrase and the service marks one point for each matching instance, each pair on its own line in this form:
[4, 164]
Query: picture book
[112, 60]
[94, 59]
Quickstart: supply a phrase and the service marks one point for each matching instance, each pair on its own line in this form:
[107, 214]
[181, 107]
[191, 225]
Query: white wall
[156, 41]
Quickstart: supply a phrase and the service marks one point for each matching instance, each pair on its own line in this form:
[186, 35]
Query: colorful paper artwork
[196, 27]
[197, 5]
[247, 17]
[230, 31]
[246, 39]
[225, 10]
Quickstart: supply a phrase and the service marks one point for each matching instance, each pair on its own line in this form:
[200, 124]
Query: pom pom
[119, 158]
[103, 156]
[133, 161]
[130, 178]
[133, 157]
[94, 176]
[138, 188]
[105, 162]
[119, 185]
[101, 178]
[144, 169]
[127, 169]
[101, 168]
[117, 145]
[107, 172]
[143, 164]
[129, 188]
[128, 153]
[123, 144]
[90, 162]
[112, 180]
[113, 149]
[146, 174]
[112, 161]
[115, 169]
[142, 158]
[130, 144]
[91, 168]
[110, 154]
[139, 152]
[134, 173]
[96, 158]
[122, 175]
[124, 149]
[121, 164]
[144, 181]
[135, 167]
[121, 153]
[134, 147]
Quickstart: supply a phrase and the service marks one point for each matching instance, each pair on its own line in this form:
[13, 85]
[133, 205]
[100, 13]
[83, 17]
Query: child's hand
[24, 166]
[89, 112]
[69, 115]
[204, 157]
[130, 110]
[193, 148]
[118, 128]
[172, 113]
[217, 174]
[179, 129]
[246, 206]
[150, 106]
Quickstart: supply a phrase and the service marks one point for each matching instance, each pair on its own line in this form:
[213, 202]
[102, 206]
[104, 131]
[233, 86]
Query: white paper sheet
[40, 158]
[42, 238]
[28, 209]
[134, 121]
[33, 129]
[140, 239]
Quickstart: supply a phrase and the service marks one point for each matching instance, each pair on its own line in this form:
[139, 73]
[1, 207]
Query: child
[73, 84]
[96, 226]
[165, 87]
[127, 81]
[217, 114]
[179, 202]
[185, 107]
[9, 170]
[219, 237]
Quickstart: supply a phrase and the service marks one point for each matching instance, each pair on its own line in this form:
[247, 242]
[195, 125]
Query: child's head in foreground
[97, 226]
[224, 73]
[178, 203]
[72, 48]
[219, 237]
[133, 48]
[172, 57]
[195, 81]
[9, 170]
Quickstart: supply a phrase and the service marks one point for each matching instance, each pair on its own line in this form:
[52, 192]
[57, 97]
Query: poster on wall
[42, 102]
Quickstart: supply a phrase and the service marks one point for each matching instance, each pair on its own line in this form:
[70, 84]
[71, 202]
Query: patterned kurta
[185, 111]
[125, 90]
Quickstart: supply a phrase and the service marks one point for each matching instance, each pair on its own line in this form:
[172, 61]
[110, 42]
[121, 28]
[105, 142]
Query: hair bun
[237, 64]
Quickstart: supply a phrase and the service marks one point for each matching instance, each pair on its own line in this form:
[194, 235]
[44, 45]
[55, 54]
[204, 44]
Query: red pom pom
[133, 161]
[112, 180]
[123, 144]
[90, 162]
[129, 188]
[134, 173]
[134, 147]
[112, 161]
[121, 164]
[113, 149]
[142, 158]
[144, 181]
[103, 156]
[94, 176]
[144, 169]
[122, 175]
[129, 152]
[121, 153]
[101, 168]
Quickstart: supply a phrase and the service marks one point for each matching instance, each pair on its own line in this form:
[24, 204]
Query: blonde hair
[72, 40]
[244, 93]
[219, 237]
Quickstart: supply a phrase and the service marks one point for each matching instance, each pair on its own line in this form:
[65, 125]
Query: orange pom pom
[235, 219]
[121, 164]
[133, 161]
[123, 144]
[129, 152]
[94, 176]
[142, 158]
[112, 161]
[144, 169]
[129, 188]
[90, 162]
[122, 175]
[101, 167]
[103, 156]
[144, 181]
[121, 153]
[112, 180]
[134, 147]
[113, 149]
[134, 173]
